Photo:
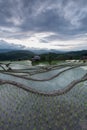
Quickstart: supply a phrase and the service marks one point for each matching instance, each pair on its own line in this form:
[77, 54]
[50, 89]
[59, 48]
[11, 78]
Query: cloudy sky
[52, 24]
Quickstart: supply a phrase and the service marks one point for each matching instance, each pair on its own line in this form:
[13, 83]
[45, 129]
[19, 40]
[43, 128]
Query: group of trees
[48, 57]
[64, 56]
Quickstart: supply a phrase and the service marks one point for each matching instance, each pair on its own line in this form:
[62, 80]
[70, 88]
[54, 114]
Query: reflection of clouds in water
[85, 83]
[84, 67]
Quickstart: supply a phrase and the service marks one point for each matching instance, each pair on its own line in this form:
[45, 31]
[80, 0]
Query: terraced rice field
[43, 97]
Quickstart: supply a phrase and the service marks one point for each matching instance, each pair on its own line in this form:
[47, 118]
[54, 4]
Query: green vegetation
[53, 62]
[16, 55]
[48, 57]
[64, 56]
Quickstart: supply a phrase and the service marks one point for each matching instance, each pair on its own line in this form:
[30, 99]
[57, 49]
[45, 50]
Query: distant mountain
[57, 51]
[36, 51]
[80, 52]
[16, 55]
[5, 50]
[45, 51]
[9, 54]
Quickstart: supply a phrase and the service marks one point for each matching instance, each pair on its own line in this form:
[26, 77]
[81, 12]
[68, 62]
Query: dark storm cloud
[6, 45]
[45, 17]
[41, 15]
[56, 16]
[65, 18]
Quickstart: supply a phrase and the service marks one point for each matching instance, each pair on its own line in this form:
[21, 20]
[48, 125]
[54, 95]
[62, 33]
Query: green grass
[54, 62]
